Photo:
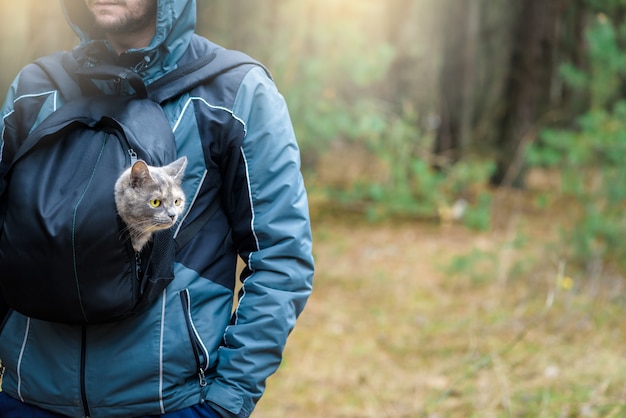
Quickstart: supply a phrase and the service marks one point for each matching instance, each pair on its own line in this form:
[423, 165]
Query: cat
[149, 199]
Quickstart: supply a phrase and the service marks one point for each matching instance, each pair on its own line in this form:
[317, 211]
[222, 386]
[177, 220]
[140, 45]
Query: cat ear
[139, 174]
[177, 168]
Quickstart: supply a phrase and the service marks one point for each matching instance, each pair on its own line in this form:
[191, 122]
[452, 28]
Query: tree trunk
[528, 87]
[457, 81]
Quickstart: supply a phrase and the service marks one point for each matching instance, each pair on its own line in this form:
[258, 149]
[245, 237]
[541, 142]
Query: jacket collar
[176, 20]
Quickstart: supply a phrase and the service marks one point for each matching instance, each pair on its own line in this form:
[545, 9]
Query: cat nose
[172, 217]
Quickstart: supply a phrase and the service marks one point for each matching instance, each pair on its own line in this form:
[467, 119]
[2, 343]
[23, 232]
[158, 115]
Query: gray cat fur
[140, 184]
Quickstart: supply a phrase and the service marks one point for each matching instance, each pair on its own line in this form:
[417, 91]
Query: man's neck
[122, 42]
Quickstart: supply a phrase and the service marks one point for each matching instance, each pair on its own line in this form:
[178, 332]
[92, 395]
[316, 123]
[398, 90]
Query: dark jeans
[12, 408]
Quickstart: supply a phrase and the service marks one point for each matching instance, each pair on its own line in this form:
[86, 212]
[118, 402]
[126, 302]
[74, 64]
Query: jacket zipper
[138, 264]
[83, 390]
[198, 347]
[83, 349]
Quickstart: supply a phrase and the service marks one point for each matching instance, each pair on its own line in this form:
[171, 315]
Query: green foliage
[607, 61]
[591, 163]
[329, 96]
[323, 86]
[591, 157]
[478, 216]
[574, 76]
[477, 265]
[411, 186]
[320, 113]
[485, 266]
[604, 78]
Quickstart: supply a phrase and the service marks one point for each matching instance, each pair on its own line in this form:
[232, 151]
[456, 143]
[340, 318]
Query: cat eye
[155, 203]
[177, 202]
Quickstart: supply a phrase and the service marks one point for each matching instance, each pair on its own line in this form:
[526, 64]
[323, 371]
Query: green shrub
[590, 158]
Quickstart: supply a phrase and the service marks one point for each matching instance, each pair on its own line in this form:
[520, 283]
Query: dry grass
[396, 327]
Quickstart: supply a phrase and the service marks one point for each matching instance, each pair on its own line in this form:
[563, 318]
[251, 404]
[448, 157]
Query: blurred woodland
[419, 108]
[487, 136]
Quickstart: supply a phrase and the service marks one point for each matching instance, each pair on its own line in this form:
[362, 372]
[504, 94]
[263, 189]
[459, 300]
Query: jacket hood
[176, 21]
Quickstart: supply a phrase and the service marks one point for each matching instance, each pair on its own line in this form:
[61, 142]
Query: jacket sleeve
[5, 112]
[7, 108]
[271, 228]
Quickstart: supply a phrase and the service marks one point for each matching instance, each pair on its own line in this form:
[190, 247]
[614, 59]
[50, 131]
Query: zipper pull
[138, 263]
[203, 384]
[142, 64]
[133, 156]
[202, 377]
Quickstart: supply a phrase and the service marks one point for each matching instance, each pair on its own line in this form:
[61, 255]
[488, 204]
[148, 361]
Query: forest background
[465, 164]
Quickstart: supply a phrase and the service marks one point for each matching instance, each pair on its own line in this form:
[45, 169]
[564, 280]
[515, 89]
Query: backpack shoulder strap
[63, 69]
[74, 81]
[198, 72]
[59, 68]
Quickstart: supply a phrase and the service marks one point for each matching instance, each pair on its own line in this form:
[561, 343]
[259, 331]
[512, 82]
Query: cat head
[150, 198]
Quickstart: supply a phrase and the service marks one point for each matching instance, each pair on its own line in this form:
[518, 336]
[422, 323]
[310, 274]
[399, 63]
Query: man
[189, 354]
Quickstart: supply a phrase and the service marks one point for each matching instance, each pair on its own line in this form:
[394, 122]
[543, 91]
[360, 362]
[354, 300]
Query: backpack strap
[198, 72]
[74, 81]
[62, 69]
[110, 72]
[59, 68]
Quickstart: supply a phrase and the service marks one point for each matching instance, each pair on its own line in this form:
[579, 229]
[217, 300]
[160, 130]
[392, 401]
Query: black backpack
[65, 255]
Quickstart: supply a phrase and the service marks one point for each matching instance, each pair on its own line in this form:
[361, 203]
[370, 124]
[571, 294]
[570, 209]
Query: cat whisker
[150, 225]
[132, 234]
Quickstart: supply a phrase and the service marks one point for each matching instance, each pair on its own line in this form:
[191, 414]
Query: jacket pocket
[199, 349]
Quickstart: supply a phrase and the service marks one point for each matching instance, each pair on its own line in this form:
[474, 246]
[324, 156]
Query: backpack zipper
[133, 156]
[198, 347]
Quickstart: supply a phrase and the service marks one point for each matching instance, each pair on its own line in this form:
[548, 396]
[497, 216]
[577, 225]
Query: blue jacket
[192, 345]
